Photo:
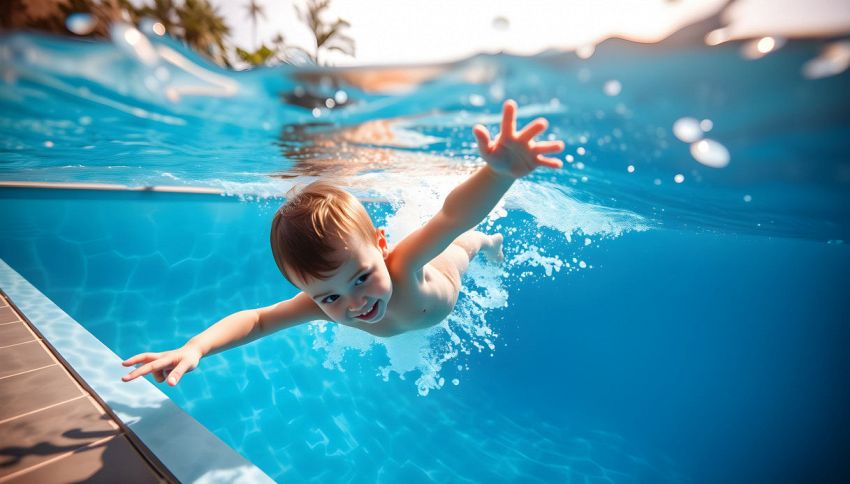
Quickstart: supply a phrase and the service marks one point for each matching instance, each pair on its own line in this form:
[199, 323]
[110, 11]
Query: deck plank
[44, 435]
[110, 461]
[35, 390]
[15, 333]
[52, 429]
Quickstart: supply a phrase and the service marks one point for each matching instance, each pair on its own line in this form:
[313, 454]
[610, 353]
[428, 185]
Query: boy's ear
[381, 239]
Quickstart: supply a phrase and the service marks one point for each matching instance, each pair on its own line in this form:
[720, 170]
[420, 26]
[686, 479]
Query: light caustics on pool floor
[707, 146]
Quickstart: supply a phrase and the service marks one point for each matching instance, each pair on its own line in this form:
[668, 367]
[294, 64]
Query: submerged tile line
[59, 457]
[28, 371]
[40, 409]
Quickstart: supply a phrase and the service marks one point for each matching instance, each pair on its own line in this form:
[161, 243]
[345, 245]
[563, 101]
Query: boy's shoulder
[397, 268]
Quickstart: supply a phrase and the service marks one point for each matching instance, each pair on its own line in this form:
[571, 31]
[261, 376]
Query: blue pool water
[642, 329]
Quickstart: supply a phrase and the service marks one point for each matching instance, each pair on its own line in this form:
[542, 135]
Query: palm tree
[164, 11]
[41, 14]
[328, 36]
[50, 15]
[203, 28]
[280, 47]
[284, 52]
[255, 10]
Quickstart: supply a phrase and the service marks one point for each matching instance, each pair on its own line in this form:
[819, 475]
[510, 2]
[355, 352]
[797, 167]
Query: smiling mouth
[370, 314]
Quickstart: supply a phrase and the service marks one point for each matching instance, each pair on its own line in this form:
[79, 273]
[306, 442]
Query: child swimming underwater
[325, 244]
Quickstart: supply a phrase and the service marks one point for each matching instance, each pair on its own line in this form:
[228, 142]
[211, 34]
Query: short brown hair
[306, 228]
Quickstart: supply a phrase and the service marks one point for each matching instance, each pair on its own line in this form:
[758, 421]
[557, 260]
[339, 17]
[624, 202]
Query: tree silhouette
[195, 22]
[203, 28]
[255, 11]
[164, 11]
[328, 36]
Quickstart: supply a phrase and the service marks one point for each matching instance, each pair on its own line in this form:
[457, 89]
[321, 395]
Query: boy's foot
[493, 249]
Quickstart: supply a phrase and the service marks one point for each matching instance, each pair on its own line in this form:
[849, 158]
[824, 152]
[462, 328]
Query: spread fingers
[549, 162]
[547, 147]
[509, 119]
[140, 358]
[532, 129]
[482, 136]
[145, 369]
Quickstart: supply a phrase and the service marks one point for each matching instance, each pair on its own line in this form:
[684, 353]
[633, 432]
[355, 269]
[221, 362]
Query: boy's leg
[473, 242]
[463, 249]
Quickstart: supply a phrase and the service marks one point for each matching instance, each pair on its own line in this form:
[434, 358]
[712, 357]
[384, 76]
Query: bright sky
[408, 31]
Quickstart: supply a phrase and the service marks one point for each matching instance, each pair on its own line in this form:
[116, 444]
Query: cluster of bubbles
[833, 59]
[706, 151]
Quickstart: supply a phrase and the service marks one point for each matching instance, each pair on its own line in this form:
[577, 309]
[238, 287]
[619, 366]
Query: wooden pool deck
[52, 427]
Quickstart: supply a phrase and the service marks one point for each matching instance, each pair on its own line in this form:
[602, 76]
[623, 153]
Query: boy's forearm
[238, 328]
[472, 200]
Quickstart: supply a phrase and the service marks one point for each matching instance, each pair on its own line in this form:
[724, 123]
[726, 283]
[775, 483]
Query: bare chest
[420, 301]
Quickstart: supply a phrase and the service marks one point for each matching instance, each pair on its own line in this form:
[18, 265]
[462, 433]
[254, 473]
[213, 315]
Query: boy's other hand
[513, 153]
[171, 365]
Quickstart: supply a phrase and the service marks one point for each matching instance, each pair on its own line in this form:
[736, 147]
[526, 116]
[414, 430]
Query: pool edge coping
[190, 190]
[184, 447]
[112, 187]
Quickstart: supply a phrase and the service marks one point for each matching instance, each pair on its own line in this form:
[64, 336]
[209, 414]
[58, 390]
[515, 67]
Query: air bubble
[687, 130]
[710, 153]
[612, 88]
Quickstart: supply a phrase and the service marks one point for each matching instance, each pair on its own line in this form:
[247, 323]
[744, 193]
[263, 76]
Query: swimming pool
[661, 323]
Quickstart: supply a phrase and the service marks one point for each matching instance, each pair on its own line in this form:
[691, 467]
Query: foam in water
[469, 329]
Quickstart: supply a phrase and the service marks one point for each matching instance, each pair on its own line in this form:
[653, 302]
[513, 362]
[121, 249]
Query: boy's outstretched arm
[234, 330]
[511, 155]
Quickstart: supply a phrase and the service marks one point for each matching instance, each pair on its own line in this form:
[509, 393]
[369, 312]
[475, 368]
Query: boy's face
[360, 289]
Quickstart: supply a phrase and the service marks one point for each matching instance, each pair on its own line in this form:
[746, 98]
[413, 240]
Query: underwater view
[672, 306]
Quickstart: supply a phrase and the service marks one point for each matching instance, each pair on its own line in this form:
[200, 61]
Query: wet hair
[310, 226]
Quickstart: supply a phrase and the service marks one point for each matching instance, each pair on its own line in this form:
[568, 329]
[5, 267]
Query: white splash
[470, 329]
[255, 190]
[551, 206]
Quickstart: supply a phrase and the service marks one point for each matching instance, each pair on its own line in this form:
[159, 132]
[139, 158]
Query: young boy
[325, 244]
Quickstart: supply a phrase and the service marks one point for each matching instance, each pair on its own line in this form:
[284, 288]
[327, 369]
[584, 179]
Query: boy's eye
[362, 279]
[330, 299]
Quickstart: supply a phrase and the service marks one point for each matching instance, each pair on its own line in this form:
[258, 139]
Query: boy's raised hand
[513, 153]
[169, 364]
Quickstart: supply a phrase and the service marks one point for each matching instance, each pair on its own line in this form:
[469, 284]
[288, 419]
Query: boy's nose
[354, 307]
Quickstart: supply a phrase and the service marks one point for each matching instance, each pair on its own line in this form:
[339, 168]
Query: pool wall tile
[189, 451]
